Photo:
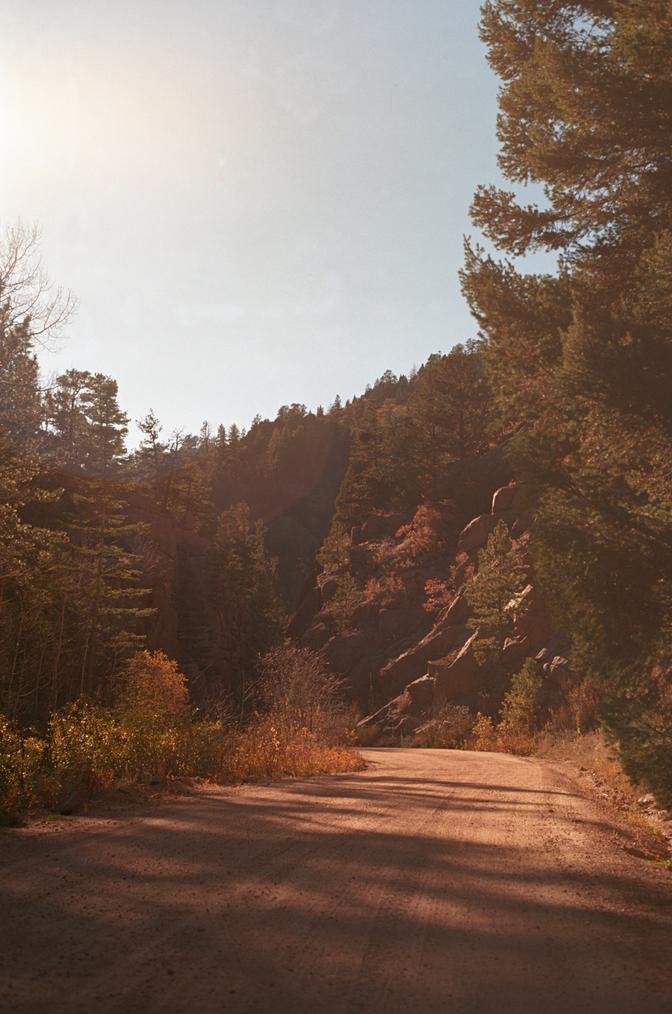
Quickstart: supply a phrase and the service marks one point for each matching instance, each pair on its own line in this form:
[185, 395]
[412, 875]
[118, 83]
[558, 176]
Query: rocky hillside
[393, 618]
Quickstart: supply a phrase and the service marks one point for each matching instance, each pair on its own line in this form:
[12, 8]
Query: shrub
[422, 536]
[301, 728]
[346, 599]
[20, 762]
[438, 595]
[483, 735]
[86, 748]
[153, 686]
[642, 733]
[298, 691]
[447, 729]
[155, 720]
[265, 750]
[386, 589]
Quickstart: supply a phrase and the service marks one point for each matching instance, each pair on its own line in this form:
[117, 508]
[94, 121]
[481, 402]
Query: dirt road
[432, 881]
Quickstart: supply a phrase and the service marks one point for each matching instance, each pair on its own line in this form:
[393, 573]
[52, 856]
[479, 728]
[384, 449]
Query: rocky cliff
[394, 621]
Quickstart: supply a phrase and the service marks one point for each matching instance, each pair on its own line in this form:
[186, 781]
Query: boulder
[407, 725]
[359, 558]
[458, 612]
[381, 526]
[441, 639]
[365, 616]
[457, 676]
[561, 673]
[328, 586]
[316, 636]
[476, 533]
[395, 623]
[305, 613]
[343, 650]
[520, 527]
[462, 572]
[507, 498]
[421, 693]
[529, 617]
[515, 650]
[398, 717]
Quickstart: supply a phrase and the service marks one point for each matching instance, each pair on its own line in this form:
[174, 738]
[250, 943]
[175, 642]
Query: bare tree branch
[28, 297]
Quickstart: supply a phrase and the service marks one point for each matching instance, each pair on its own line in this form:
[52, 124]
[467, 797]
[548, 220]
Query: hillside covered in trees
[372, 524]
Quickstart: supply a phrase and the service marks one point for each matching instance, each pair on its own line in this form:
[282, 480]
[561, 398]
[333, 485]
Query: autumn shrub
[20, 763]
[422, 536]
[483, 734]
[153, 686]
[266, 750]
[85, 747]
[385, 589]
[438, 595]
[298, 691]
[301, 726]
[154, 716]
[448, 727]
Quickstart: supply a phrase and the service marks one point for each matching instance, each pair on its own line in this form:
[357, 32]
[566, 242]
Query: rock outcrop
[388, 649]
[442, 666]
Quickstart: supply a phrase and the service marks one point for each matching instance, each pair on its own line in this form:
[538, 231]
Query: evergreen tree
[234, 611]
[87, 425]
[493, 592]
[110, 599]
[451, 407]
[582, 359]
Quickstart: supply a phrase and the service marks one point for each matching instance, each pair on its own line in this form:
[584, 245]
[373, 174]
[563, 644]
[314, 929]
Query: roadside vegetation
[298, 725]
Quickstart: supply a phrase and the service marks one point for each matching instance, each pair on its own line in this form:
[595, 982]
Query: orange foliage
[385, 589]
[153, 683]
[422, 535]
[437, 595]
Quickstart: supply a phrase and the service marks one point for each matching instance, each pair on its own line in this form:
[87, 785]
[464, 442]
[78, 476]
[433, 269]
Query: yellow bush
[85, 745]
[153, 686]
[20, 762]
[483, 733]
[152, 732]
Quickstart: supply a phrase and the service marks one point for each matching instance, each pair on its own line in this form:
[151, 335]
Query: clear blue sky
[255, 201]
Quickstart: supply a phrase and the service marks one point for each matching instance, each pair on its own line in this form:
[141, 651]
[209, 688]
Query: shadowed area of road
[432, 881]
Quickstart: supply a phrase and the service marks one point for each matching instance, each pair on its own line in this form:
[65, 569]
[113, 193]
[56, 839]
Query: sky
[256, 202]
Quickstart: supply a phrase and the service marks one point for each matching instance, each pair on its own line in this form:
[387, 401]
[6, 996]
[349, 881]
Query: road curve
[434, 881]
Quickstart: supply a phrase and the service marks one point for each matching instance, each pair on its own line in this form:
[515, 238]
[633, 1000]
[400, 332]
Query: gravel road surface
[433, 881]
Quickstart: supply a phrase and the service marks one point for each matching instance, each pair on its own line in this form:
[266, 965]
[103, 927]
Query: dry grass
[264, 751]
[590, 753]
[600, 774]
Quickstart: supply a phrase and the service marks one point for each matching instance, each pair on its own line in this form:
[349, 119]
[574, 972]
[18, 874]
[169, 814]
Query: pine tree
[581, 360]
[493, 592]
[451, 408]
[229, 608]
[109, 596]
